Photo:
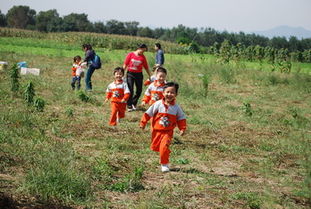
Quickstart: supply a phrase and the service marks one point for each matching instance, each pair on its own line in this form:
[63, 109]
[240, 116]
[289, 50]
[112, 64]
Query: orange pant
[117, 111]
[161, 141]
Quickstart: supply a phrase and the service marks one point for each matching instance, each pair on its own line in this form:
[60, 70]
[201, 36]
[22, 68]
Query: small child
[166, 115]
[76, 72]
[119, 93]
[153, 77]
[154, 92]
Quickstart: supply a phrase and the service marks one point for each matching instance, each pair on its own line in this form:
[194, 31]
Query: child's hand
[106, 100]
[143, 103]
[182, 132]
[123, 101]
[142, 127]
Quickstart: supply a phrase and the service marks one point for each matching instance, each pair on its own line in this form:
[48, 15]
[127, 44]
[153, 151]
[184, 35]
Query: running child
[154, 92]
[166, 115]
[119, 93]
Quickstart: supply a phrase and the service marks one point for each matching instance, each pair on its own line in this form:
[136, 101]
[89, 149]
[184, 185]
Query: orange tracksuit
[117, 91]
[154, 92]
[164, 119]
[149, 81]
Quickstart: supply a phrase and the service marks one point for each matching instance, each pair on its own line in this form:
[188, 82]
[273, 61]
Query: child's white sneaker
[165, 168]
[133, 107]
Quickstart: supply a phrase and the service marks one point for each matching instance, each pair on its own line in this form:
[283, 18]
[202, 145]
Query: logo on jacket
[164, 121]
[116, 94]
[155, 97]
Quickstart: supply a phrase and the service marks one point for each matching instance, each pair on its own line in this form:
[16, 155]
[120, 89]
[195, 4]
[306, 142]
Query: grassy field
[248, 143]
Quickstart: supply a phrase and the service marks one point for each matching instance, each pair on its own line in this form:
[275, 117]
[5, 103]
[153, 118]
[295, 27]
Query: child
[76, 73]
[153, 77]
[119, 93]
[165, 114]
[154, 92]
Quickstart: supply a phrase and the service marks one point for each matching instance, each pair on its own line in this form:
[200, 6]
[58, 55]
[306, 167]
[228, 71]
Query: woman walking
[134, 63]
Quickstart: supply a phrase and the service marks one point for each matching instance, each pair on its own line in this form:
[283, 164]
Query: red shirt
[135, 63]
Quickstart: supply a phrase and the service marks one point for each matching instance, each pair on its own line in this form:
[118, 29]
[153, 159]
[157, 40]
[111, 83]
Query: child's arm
[181, 121]
[126, 93]
[146, 116]
[108, 94]
[147, 96]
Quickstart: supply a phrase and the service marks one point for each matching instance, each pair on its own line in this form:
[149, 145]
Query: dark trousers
[88, 76]
[137, 79]
[76, 79]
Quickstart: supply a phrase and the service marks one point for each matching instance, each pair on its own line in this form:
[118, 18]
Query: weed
[252, 199]
[83, 97]
[69, 112]
[130, 183]
[39, 104]
[247, 109]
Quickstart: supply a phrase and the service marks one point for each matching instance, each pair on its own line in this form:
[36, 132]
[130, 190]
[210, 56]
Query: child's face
[170, 94]
[77, 61]
[161, 77]
[118, 75]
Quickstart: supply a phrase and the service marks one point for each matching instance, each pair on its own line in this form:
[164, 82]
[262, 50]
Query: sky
[230, 15]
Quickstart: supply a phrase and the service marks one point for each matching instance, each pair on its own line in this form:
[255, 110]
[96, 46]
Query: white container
[33, 71]
[3, 65]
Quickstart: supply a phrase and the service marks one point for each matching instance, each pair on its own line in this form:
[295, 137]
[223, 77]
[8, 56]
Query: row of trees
[49, 21]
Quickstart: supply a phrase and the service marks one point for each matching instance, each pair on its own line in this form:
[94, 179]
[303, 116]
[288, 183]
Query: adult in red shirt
[134, 64]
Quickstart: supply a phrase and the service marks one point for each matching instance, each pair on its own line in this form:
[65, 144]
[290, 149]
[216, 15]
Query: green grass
[247, 146]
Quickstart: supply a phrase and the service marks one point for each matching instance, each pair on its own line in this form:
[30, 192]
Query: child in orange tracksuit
[154, 92]
[166, 115]
[153, 77]
[76, 78]
[119, 93]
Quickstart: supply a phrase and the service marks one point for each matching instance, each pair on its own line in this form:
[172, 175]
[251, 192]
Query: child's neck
[118, 81]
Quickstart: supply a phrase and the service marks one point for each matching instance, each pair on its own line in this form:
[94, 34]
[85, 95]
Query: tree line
[198, 40]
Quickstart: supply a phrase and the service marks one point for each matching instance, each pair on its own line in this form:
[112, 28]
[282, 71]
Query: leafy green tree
[48, 21]
[21, 17]
[76, 22]
[145, 32]
[115, 27]
[131, 28]
[2, 20]
[99, 27]
[225, 51]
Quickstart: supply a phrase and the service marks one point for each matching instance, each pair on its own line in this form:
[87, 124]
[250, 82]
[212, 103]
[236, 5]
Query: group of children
[163, 111]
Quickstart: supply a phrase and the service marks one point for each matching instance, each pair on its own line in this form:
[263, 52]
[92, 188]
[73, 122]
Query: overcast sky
[230, 15]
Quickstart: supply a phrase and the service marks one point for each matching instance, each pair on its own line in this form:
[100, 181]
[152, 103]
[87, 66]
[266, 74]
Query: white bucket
[33, 71]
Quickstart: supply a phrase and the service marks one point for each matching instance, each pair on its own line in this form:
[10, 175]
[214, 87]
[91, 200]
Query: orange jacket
[154, 92]
[165, 117]
[118, 91]
[149, 81]
[74, 68]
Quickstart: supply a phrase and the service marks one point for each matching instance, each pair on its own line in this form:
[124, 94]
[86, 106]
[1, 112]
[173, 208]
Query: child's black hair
[161, 69]
[172, 84]
[76, 58]
[117, 69]
[142, 46]
[87, 46]
[158, 45]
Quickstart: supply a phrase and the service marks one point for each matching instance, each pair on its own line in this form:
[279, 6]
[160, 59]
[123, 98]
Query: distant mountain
[286, 31]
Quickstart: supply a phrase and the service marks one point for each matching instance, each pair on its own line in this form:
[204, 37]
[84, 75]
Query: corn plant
[205, 82]
[29, 93]
[14, 74]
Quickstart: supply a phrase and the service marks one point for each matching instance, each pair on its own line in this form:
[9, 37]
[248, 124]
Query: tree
[145, 32]
[48, 21]
[115, 27]
[131, 28]
[76, 22]
[2, 20]
[21, 17]
[99, 27]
